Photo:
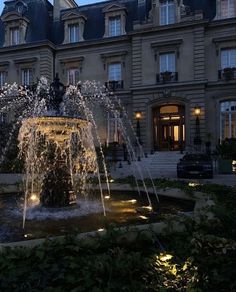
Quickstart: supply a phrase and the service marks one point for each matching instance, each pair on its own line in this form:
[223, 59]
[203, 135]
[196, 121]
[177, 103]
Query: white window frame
[115, 71]
[3, 76]
[230, 56]
[114, 26]
[165, 7]
[14, 36]
[168, 62]
[73, 33]
[230, 9]
[72, 76]
[26, 76]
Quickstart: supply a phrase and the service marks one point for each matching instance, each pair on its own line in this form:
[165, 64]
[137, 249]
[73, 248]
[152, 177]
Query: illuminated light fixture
[33, 197]
[107, 197]
[175, 118]
[138, 115]
[197, 110]
[193, 184]
[111, 180]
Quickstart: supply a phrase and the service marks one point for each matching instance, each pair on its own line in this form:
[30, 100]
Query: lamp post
[197, 138]
[138, 116]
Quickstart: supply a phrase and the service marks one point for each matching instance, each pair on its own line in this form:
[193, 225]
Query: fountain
[60, 142]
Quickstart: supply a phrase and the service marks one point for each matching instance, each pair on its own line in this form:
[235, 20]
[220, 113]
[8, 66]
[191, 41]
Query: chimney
[60, 5]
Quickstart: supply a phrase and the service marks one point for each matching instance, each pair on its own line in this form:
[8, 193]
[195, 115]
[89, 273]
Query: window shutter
[163, 62]
[171, 62]
[171, 13]
[163, 16]
[233, 58]
[224, 59]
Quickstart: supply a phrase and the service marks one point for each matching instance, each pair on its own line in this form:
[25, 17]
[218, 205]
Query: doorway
[169, 127]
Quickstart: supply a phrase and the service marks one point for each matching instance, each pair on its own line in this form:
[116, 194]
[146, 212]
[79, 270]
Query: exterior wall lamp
[138, 116]
[197, 110]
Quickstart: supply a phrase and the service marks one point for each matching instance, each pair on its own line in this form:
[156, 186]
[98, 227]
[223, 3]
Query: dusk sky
[80, 2]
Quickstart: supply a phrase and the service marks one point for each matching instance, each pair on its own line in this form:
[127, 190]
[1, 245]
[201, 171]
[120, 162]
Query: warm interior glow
[197, 110]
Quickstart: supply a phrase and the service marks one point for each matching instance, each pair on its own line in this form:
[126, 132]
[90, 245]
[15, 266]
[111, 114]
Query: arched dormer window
[15, 27]
[74, 23]
[115, 20]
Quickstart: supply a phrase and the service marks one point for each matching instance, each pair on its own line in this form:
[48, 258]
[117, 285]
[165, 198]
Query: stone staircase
[159, 164]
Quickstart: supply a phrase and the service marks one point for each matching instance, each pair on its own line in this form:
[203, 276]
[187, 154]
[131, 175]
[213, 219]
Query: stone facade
[195, 38]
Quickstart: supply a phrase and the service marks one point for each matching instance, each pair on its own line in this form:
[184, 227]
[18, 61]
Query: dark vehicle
[195, 165]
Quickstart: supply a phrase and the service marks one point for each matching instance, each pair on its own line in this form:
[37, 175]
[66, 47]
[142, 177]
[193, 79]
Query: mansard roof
[42, 27]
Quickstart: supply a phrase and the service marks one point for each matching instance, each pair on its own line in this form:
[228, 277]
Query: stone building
[172, 62]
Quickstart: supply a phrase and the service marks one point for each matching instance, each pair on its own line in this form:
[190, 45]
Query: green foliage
[227, 148]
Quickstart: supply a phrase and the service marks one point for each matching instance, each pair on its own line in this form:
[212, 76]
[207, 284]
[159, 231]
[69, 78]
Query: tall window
[26, 76]
[114, 72]
[73, 33]
[167, 12]
[228, 119]
[3, 75]
[228, 8]
[228, 58]
[73, 76]
[114, 26]
[167, 62]
[14, 36]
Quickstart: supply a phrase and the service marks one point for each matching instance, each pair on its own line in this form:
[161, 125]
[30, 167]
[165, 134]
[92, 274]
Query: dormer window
[115, 20]
[228, 8]
[114, 26]
[167, 12]
[14, 36]
[74, 33]
[15, 28]
[74, 23]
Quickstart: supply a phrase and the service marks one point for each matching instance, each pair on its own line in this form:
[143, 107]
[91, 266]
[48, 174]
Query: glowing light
[100, 229]
[33, 197]
[143, 217]
[111, 180]
[193, 184]
[165, 257]
[107, 197]
[147, 208]
[129, 201]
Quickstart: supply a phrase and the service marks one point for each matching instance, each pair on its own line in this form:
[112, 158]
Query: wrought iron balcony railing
[115, 85]
[166, 77]
[227, 74]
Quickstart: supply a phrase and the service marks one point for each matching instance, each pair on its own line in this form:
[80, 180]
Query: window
[3, 75]
[228, 119]
[167, 12]
[228, 8]
[228, 58]
[26, 77]
[167, 62]
[14, 36]
[72, 76]
[73, 33]
[114, 72]
[114, 26]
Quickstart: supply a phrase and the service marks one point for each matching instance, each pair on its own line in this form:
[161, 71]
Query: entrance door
[169, 127]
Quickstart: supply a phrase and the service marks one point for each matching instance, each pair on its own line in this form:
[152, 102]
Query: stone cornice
[25, 60]
[23, 47]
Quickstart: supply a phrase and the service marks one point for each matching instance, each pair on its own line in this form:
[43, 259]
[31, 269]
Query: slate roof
[42, 27]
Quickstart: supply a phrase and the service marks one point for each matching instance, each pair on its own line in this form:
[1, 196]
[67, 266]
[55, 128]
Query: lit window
[74, 33]
[15, 36]
[228, 8]
[26, 77]
[114, 72]
[167, 12]
[73, 76]
[114, 26]
[3, 75]
[167, 62]
[228, 119]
